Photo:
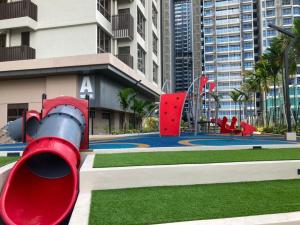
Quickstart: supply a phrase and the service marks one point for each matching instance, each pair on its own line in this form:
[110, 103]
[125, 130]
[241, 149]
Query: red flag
[203, 81]
[212, 87]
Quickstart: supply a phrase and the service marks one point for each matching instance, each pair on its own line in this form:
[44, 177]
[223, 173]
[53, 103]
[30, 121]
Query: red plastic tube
[33, 197]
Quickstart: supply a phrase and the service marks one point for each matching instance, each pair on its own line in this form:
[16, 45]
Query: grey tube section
[14, 129]
[64, 121]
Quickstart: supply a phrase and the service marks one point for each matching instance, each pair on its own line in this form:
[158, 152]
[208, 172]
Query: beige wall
[30, 91]
[61, 85]
[101, 125]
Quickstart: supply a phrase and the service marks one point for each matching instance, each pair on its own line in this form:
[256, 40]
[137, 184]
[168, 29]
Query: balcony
[20, 14]
[127, 59]
[123, 26]
[16, 53]
[18, 9]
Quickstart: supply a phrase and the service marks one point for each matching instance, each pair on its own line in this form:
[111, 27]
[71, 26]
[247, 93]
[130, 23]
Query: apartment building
[167, 29]
[183, 44]
[74, 47]
[281, 13]
[181, 16]
[231, 47]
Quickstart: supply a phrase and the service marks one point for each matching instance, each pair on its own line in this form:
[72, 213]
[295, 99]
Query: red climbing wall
[170, 111]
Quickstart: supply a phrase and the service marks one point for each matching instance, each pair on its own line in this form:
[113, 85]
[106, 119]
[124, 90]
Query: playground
[185, 140]
[224, 176]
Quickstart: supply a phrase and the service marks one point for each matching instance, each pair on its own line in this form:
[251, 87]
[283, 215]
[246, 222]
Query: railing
[18, 9]
[123, 26]
[16, 53]
[127, 59]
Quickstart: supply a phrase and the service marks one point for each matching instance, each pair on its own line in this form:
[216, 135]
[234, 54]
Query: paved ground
[188, 140]
[154, 140]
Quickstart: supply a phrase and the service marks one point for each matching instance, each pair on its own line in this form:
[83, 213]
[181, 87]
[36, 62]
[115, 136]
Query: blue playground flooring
[154, 140]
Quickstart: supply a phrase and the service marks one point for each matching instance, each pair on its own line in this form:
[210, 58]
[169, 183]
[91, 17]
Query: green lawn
[182, 203]
[6, 160]
[193, 157]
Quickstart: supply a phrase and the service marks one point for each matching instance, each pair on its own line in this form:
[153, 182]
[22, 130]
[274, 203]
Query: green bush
[275, 130]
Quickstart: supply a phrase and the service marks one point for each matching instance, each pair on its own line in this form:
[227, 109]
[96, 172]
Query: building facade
[179, 48]
[281, 13]
[64, 47]
[231, 45]
[183, 44]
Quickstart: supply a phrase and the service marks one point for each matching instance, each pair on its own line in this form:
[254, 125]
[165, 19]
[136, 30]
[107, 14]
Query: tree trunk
[255, 109]
[262, 108]
[235, 109]
[246, 104]
[275, 110]
[240, 106]
[217, 116]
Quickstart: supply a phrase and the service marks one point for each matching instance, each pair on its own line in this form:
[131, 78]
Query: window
[103, 7]
[296, 10]
[286, 2]
[15, 111]
[155, 45]
[141, 24]
[141, 59]
[287, 21]
[286, 11]
[155, 73]
[124, 50]
[247, 7]
[154, 15]
[271, 12]
[25, 38]
[270, 3]
[103, 41]
[2, 40]
[124, 11]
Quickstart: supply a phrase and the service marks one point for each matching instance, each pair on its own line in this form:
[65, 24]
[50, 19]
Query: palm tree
[216, 99]
[261, 77]
[274, 56]
[125, 97]
[141, 108]
[245, 97]
[296, 32]
[235, 95]
[251, 85]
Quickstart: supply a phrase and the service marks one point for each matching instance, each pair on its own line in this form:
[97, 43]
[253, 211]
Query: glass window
[286, 11]
[141, 21]
[154, 15]
[155, 44]
[25, 38]
[155, 73]
[15, 111]
[296, 10]
[2, 40]
[141, 59]
[103, 7]
[103, 41]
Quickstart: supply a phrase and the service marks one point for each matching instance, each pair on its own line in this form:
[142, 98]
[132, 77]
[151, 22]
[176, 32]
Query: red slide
[42, 187]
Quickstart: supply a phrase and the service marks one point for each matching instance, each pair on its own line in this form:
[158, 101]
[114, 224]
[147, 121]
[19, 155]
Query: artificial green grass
[6, 160]
[183, 203]
[193, 157]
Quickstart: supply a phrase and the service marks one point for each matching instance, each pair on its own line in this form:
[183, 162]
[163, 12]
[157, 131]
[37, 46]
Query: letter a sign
[86, 88]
